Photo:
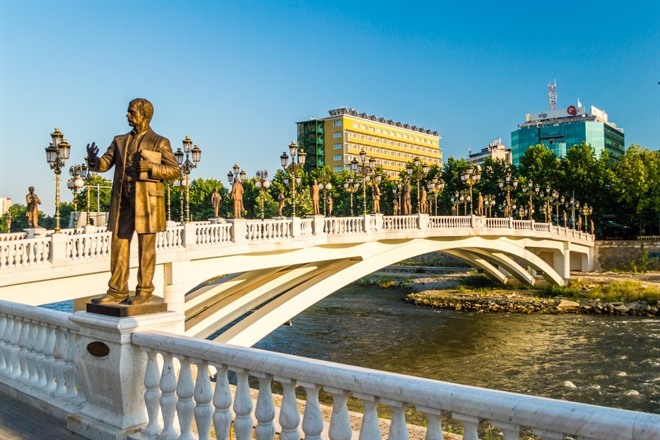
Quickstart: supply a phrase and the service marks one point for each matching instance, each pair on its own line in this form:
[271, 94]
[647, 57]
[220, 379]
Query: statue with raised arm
[32, 211]
[142, 160]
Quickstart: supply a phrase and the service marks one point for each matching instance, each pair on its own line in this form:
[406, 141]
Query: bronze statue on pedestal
[142, 161]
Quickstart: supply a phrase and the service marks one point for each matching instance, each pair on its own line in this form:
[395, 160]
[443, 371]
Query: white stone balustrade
[37, 350]
[189, 398]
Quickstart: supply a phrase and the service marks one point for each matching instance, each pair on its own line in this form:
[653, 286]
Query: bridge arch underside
[249, 305]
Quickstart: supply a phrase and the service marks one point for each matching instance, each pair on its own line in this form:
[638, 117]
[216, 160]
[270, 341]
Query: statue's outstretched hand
[92, 153]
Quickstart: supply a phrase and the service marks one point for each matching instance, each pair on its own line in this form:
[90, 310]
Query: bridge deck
[20, 421]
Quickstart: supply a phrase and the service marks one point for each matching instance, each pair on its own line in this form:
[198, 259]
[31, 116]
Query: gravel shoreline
[444, 289]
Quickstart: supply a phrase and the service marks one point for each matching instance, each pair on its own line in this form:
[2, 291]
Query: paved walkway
[20, 421]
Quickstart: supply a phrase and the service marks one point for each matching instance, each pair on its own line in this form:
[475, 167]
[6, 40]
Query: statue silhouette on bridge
[142, 161]
[32, 211]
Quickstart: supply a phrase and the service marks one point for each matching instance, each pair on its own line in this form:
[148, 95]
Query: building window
[337, 157]
[336, 134]
[336, 146]
[339, 168]
[336, 123]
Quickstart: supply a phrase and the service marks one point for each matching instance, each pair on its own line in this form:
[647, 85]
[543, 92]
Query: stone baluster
[168, 397]
[32, 354]
[203, 396]
[312, 424]
[58, 354]
[398, 428]
[289, 415]
[40, 356]
[72, 390]
[49, 360]
[370, 428]
[185, 405]
[4, 332]
[14, 348]
[509, 430]
[24, 351]
[340, 425]
[222, 403]
[152, 394]
[243, 406]
[470, 426]
[265, 410]
[433, 423]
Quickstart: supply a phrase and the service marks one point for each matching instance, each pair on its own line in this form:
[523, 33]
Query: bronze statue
[280, 204]
[237, 197]
[565, 219]
[32, 212]
[142, 161]
[315, 197]
[375, 194]
[395, 205]
[215, 202]
[480, 205]
[423, 204]
[407, 198]
[330, 205]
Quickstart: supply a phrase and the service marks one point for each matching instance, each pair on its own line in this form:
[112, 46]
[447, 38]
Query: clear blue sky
[236, 76]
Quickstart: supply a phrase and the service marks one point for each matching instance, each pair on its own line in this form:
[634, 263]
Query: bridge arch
[265, 299]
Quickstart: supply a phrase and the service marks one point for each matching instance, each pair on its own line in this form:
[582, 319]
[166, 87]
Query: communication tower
[552, 94]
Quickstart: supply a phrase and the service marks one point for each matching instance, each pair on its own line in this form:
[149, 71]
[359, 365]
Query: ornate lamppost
[508, 185]
[586, 212]
[557, 201]
[470, 177]
[74, 184]
[325, 186]
[351, 186]
[531, 190]
[365, 168]
[572, 204]
[87, 176]
[547, 197]
[418, 173]
[298, 157]
[262, 184]
[435, 186]
[489, 202]
[186, 165]
[57, 154]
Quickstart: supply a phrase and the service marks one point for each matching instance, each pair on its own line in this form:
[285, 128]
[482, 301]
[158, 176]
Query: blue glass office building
[559, 130]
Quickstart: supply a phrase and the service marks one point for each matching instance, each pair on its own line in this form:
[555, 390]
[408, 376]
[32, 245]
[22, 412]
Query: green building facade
[559, 130]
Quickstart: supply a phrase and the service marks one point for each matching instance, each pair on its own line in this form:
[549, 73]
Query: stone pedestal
[110, 372]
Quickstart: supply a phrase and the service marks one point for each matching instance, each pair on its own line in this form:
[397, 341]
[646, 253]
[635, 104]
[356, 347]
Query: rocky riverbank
[465, 290]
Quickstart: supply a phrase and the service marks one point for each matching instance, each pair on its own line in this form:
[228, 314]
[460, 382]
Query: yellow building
[336, 140]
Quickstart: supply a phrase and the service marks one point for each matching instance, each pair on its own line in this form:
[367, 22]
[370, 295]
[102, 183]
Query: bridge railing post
[317, 225]
[58, 249]
[189, 235]
[111, 372]
[238, 230]
[295, 227]
[422, 222]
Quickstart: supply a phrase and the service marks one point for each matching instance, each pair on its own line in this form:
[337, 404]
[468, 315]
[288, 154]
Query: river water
[601, 360]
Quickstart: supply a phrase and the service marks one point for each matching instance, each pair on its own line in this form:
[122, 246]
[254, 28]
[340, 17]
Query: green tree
[14, 219]
[199, 194]
[588, 179]
[541, 166]
[636, 188]
[99, 195]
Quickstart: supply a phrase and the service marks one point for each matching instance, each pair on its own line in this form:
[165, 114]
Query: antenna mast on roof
[552, 94]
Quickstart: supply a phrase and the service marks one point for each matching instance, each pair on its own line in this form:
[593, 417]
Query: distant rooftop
[346, 111]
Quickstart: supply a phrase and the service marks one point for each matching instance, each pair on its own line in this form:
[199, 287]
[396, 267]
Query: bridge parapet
[39, 348]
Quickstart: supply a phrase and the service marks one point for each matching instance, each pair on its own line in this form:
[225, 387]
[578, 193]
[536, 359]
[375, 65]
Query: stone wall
[622, 254]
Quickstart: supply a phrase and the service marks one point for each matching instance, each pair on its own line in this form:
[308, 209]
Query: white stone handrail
[37, 350]
[171, 391]
[90, 244]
